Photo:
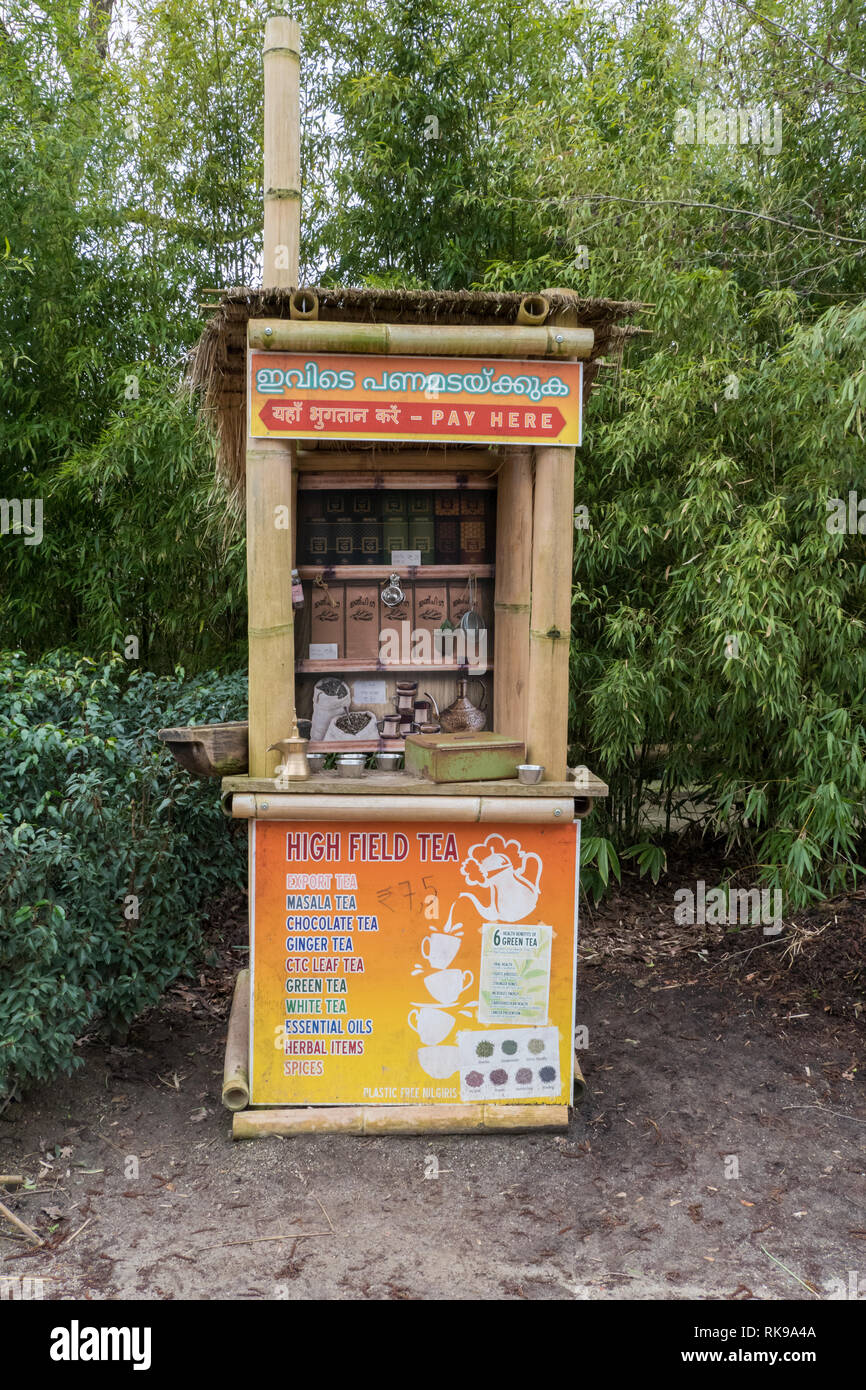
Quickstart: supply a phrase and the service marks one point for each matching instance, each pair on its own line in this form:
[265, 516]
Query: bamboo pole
[512, 592]
[398, 1119]
[304, 304]
[445, 340]
[550, 619]
[271, 635]
[533, 310]
[548, 810]
[236, 1072]
[282, 152]
[269, 464]
[365, 806]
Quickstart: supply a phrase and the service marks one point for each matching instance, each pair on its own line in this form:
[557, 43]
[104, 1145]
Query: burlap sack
[370, 729]
[327, 707]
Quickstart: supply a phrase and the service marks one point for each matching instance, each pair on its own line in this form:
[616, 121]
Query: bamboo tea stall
[407, 461]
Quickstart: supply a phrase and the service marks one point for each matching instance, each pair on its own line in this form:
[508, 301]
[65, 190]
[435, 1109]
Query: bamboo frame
[269, 463]
[532, 604]
[533, 310]
[271, 634]
[236, 1071]
[282, 153]
[431, 340]
[398, 1119]
[550, 617]
[400, 809]
[511, 605]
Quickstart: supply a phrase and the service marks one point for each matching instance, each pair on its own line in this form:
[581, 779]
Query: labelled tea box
[362, 621]
[326, 616]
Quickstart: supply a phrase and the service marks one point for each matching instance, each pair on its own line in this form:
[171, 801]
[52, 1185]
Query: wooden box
[326, 619]
[465, 757]
[362, 621]
[431, 606]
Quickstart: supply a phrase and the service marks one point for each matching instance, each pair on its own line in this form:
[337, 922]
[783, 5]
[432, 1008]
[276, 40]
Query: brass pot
[462, 714]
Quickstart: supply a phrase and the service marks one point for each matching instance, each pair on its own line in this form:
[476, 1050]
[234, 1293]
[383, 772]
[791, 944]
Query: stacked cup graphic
[433, 1021]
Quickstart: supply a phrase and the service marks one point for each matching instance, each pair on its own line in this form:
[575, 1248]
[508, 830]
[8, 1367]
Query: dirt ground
[719, 1153]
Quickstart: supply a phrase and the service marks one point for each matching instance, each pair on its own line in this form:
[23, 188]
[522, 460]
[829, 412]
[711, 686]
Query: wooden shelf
[429, 572]
[357, 745]
[406, 784]
[348, 663]
[420, 481]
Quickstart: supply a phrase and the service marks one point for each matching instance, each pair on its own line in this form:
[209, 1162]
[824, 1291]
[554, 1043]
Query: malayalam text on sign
[415, 399]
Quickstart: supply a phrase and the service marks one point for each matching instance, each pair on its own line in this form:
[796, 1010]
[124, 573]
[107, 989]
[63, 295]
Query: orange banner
[427, 964]
[417, 399]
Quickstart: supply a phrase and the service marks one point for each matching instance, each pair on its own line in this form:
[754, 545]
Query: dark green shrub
[97, 822]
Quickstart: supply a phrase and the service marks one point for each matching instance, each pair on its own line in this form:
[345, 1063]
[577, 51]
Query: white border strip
[577, 824]
[251, 890]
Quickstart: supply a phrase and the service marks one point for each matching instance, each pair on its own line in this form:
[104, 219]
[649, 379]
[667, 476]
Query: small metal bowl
[529, 773]
[388, 762]
[316, 761]
[351, 764]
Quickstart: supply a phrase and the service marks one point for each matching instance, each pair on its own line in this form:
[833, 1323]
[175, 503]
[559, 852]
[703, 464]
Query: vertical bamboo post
[512, 593]
[550, 620]
[269, 462]
[282, 152]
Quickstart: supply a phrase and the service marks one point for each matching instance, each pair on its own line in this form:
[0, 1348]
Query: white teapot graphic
[510, 876]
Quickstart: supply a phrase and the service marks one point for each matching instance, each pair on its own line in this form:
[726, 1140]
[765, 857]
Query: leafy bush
[94, 815]
[719, 660]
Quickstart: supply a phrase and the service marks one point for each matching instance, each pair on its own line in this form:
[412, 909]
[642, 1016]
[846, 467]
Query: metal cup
[530, 773]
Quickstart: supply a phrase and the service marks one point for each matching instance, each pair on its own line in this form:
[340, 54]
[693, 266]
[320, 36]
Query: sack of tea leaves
[353, 724]
[330, 697]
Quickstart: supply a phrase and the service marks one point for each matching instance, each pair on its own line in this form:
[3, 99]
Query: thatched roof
[218, 362]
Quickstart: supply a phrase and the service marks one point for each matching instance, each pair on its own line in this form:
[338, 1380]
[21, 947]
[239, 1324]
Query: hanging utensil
[472, 620]
[392, 594]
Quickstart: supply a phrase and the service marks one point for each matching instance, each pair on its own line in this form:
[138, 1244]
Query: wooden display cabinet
[343, 600]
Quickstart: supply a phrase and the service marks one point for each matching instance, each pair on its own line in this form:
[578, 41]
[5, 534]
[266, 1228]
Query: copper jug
[463, 714]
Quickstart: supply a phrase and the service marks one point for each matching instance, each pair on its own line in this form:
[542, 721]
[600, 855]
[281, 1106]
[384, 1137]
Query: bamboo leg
[236, 1073]
[271, 637]
[579, 1082]
[512, 596]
